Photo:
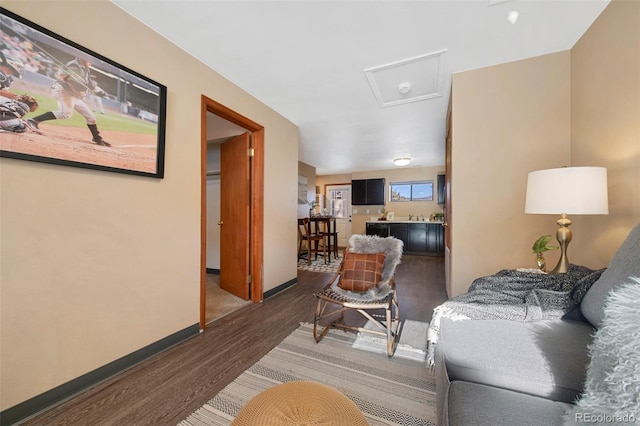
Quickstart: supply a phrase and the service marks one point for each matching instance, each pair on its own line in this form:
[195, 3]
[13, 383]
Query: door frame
[256, 234]
[448, 164]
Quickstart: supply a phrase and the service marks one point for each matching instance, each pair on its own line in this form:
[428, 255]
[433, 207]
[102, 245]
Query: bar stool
[331, 233]
[314, 241]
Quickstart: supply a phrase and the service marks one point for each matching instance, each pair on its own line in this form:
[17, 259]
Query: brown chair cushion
[361, 271]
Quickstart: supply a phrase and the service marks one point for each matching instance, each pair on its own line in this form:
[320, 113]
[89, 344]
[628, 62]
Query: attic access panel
[409, 80]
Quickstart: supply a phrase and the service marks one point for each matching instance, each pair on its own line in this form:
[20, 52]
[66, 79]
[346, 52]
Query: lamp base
[563, 235]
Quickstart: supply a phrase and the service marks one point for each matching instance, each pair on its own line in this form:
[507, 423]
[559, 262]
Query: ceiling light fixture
[402, 161]
[513, 16]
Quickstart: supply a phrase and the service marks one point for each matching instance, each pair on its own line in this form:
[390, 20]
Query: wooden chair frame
[331, 307]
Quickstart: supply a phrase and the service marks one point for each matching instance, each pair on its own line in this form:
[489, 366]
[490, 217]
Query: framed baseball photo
[64, 104]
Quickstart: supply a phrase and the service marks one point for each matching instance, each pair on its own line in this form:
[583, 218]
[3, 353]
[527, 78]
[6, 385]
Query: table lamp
[567, 190]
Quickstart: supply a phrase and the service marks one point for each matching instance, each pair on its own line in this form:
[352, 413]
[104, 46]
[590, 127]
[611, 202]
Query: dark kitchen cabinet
[358, 192]
[440, 189]
[435, 238]
[434, 242]
[418, 238]
[379, 229]
[400, 231]
[367, 192]
[375, 192]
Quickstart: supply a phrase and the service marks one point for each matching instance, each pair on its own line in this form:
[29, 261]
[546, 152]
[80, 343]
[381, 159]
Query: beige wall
[605, 126]
[577, 108]
[323, 180]
[508, 120]
[400, 209]
[96, 265]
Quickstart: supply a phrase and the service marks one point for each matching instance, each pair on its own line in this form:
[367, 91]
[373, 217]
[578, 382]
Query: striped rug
[389, 391]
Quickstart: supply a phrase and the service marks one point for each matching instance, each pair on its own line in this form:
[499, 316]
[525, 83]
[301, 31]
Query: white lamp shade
[570, 190]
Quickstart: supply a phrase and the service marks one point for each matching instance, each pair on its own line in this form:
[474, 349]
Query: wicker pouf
[300, 403]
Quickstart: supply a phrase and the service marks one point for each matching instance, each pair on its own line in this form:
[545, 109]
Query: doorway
[339, 204]
[249, 238]
[219, 302]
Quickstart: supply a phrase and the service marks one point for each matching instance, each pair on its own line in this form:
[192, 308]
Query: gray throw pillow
[624, 264]
[612, 388]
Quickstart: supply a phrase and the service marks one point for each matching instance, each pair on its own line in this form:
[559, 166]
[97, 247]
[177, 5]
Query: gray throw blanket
[515, 295]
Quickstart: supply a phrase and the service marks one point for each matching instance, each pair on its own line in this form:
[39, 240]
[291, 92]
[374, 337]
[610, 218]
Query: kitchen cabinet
[440, 188]
[358, 192]
[367, 192]
[400, 231]
[435, 238]
[379, 229]
[427, 237]
[418, 237]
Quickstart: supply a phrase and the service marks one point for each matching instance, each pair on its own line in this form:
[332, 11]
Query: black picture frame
[128, 135]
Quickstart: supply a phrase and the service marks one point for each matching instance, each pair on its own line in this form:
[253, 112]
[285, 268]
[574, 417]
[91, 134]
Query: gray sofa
[503, 372]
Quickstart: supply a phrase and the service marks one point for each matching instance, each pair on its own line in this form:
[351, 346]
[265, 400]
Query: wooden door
[234, 215]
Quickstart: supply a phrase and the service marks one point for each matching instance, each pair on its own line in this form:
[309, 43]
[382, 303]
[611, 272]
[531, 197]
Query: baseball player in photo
[70, 91]
[13, 106]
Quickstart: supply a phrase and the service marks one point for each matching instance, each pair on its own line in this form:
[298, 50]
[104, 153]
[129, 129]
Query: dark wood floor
[168, 387]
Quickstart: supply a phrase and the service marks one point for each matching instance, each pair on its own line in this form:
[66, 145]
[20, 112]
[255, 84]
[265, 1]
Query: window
[412, 191]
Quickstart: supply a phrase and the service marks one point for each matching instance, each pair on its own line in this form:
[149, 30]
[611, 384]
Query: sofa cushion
[624, 264]
[479, 405]
[543, 358]
[613, 376]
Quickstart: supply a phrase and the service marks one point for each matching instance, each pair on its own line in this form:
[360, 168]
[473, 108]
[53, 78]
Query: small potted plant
[539, 247]
[312, 207]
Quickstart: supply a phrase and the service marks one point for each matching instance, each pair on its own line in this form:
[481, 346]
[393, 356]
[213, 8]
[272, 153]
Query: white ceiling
[307, 61]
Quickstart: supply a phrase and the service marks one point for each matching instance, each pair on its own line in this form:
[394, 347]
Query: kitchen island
[419, 237]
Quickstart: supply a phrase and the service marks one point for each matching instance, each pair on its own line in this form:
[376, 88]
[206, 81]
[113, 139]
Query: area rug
[388, 391]
[412, 343]
[318, 265]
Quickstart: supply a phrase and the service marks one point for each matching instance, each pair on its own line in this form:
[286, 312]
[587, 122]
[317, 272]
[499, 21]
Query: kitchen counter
[404, 221]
